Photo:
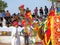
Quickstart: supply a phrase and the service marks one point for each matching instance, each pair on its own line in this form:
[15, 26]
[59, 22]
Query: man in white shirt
[15, 35]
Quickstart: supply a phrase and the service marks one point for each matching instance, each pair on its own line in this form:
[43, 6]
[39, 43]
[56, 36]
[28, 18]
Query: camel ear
[41, 34]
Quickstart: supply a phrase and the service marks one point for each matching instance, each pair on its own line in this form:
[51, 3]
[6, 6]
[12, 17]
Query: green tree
[3, 5]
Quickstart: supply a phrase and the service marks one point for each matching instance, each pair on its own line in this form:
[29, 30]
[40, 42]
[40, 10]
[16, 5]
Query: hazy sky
[14, 4]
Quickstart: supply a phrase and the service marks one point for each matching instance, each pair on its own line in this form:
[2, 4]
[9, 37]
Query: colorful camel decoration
[51, 29]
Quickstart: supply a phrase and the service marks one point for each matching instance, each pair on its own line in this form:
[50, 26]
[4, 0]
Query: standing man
[1, 19]
[26, 36]
[36, 12]
[46, 11]
[15, 35]
[41, 11]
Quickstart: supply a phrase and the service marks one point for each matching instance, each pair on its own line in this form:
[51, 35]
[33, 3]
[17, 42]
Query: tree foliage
[3, 5]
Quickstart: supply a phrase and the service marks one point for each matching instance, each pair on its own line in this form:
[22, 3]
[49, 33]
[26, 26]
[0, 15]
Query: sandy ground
[23, 44]
[4, 44]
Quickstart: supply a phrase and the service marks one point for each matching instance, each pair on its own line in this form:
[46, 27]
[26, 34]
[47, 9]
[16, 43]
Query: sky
[14, 4]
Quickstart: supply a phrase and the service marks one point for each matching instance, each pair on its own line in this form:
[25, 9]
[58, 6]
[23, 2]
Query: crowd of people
[25, 19]
[18, 17]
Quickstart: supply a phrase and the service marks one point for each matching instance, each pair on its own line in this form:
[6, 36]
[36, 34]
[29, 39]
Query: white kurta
[15, 41]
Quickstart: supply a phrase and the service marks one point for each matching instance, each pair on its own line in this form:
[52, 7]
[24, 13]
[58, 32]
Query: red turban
[22, 6]
[15, 23]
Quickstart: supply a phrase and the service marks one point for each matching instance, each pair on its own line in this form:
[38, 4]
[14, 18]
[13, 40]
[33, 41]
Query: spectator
[21, 8]
[26, 36]
[41, 11]
[46, 10]
[36, 11]
[7, 13]
[3, 14]
[8, 18]
[12, 19]
[1, 22]
[28, 14]
[0, 14]
[15, 18]
[1, 19]
[27, 10]
[33, 15]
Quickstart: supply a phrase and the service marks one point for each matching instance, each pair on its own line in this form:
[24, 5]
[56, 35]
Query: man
[8, 18]
[26, 36]
[36, 11]
[15, 35]
[7, 13]
[46, 11]
[1, 19]
[1, 22]
[41, 11]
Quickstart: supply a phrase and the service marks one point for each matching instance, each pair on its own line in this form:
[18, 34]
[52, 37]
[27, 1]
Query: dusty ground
[23, 44]
[4, 44]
